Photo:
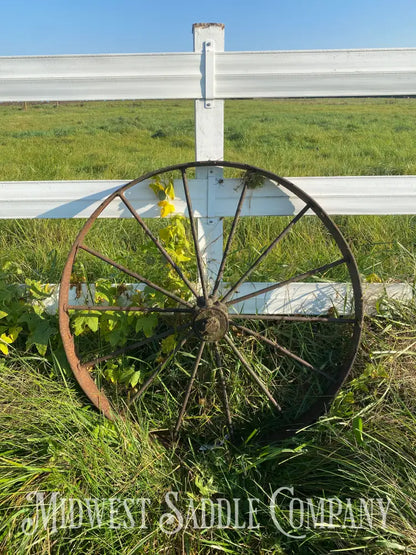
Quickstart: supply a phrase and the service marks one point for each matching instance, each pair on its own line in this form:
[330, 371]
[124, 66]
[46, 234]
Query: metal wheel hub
[210, 324]
[274, 371]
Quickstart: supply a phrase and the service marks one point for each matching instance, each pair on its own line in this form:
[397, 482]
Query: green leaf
[41, 348]
[37, 289]
[357, 426]
[3, 314]
[156, 187]
[78, 325]
[92, 322]
[117, 336]
[166, 234]
[134, 380]
[82, 324]
[39, 335]
[147, 324]
[168, 344]
[206, 489]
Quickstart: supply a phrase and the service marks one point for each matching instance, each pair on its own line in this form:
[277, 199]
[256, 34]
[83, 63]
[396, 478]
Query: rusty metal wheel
[193, 347]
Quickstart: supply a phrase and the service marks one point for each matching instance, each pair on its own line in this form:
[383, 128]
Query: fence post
[209, 142]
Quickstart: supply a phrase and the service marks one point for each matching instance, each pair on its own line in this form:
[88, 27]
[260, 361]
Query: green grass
[121, 140]
[52, 440]
[382, 245]
[109, 140]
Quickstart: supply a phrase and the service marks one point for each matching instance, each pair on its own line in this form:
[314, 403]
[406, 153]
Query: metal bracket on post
[209, 144]
[209, 77]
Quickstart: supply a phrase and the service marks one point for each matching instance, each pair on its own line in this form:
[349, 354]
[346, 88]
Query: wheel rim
[209, 333]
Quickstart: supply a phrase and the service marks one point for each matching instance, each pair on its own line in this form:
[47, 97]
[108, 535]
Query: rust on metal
[210, 324]
[208, 320]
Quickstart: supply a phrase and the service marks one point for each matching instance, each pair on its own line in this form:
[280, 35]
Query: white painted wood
[209, 145]
[100, 77]
[348, 195]
[210, 240]
[362, 195]
[296, 298]
[316, 298]
[211, 75]
[312, 73]
[323, 73]
[209, 118]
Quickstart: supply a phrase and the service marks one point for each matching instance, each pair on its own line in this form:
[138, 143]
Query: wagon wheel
[188, 353]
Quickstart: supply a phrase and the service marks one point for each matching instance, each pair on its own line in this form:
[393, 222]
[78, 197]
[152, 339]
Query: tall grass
[51, 441]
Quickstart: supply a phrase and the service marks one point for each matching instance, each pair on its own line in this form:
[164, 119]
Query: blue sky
[102, 26]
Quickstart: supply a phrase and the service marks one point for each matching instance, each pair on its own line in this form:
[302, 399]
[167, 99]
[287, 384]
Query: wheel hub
[210, 323]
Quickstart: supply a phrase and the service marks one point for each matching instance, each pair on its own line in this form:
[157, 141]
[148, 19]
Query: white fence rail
[234, 75]
[361, 195]
[209, 75]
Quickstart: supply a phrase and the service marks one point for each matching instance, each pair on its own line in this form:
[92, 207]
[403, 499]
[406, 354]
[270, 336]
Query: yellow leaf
[373, 278]
[4, 341]
[14, 332]
[6, 338]
[165, 234]
[156, 186]
[170, 191]
[166, 208]
[181, 256]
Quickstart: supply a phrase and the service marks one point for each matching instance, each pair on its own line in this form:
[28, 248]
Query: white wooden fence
[209, 75]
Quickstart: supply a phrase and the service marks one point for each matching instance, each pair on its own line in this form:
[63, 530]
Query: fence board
[297, 298]
[362, 195]
[317, 73]
[314, 73]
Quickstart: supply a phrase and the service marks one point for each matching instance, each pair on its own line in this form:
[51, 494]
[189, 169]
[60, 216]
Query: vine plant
[116, 328]
[26, 323]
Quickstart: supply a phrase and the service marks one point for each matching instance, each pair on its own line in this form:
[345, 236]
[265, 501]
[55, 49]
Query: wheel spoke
[230, 238]
[287, 281]
[158, 369]
[135, 275]
[158, 244]
[266, 252]
[194, 235]
[201, 318]
[283, 350]
[252, 373]
[134, 346]
[189, 389]
[290, 318]
[108, 308]
[219, 364]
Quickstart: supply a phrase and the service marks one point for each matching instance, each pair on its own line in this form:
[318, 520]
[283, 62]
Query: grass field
[51, 440]
[114, 140]
[291, 138]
